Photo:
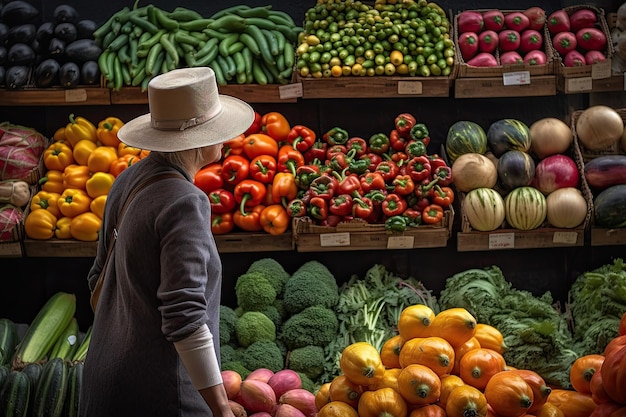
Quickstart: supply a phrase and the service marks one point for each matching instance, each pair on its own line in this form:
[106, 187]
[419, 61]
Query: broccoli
[315, 325]
[236, 366]
[254, 292]
[308, 359]
[273, 271]
[307, 384]
[305, 289]
[263, 354]
[253, 326]
[319, 270]
[274, 315]
[228, 318]
[227, 353]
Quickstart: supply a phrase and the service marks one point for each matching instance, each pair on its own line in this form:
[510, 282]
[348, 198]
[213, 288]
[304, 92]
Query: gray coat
[163, 283]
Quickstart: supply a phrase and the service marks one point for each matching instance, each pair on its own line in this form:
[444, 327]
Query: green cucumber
[81, 352]
[15, 395]
[74, 383]
[67, 343]
[51, 389]
[8, 340]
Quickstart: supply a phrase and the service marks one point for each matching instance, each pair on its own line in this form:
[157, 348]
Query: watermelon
[525, 208]
[508, 135]
[515, 169]
[610, 207]
[465, 137]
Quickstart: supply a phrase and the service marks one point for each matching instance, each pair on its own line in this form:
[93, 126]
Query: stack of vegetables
[82, 162]
[353, 38]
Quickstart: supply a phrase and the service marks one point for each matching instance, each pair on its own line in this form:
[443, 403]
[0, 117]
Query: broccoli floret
[274, 315]
[309, 360]
[253, 326]
[307, 383]
[236, 366]
[315, 325]
[274, 272]
[228, 318]
[263, 354]
[227, 353]
[305, 289]
[280, 306]
[254, 292]
[318, 269]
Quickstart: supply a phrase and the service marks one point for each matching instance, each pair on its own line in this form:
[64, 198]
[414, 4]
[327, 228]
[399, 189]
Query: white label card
[501, 240]
[516, 78]
[400, 242]
[73, 95]
[409, 87]
[569, 238]
[335, 239]
[290, 91]
[579, 84]
[601, 70]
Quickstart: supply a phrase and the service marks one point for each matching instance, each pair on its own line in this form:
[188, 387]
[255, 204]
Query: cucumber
[51, 389]
[8, 340]
[75, 379]
[81, 352]
[15, 395]
[33, 372]
[67, 343]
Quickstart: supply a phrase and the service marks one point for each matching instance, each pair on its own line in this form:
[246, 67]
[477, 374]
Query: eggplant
[24, 33]
[56, 47]
[4, 33]
[2, 74]
[604, 171]
[47, 73]
[18, 12]
[16, 77]
[65, 13]
[69, 75]
[66, 32]
[3, 55]
[90, 73]
[85, 29]
[83, 50]
[45, 32]
[20, 54]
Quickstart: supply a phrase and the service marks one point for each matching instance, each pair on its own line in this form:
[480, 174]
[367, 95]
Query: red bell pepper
[340, 205]
[259, 144]
[443, 174]
[336, 136]
[335, 150]
[301, 138]
[358, 144]
[324, 186]
[249, 193]
[393, 205]
[415, 148]
[444, 196]
[222, 201]
[372, 181]
[432, 214]
[331, 220]
[305, 174]
[378, 143]
[400, 158]
[263, 168]
[250, 221]
[296, 208]
[424, 187]
[374, 159]
[414, 216]
[403, 185]
[289, 159]
[255, 127]
[436, 161]
[318, 208]
[397, 142]
[419, 168]
[348, 183]
[233, 146]
[235, 168]
[388, 169]
[222, 223]
[284, 188]
[275, 125]
[362, 207]
[403, 124]
[209, 178]
[316, 152]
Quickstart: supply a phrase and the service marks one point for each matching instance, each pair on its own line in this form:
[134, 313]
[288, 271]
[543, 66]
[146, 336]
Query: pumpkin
[322, 396]
[456, 325]
[430, 410]
[484, 209]
[466, 401]
[538, 385]
[582, 370]
[507, 135]
[599, 127]
[489, 337]
[515, 169]
[566, 207]
[596, 386]
[525, 208]
[414, 321]
[572, 403]
[473, 170]
[419, 385]
[550, 136]
[465, 137]
[361, 363]
[508, 394]
[479, 365]
[434, 352]
[343, 389]
[389, 379]
[448, 384]
[382, 402]
[614, 375]
[461, 350]
[390, 352]
[549, 410]
[337, 409]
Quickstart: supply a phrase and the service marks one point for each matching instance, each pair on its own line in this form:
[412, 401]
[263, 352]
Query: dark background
[26, 283]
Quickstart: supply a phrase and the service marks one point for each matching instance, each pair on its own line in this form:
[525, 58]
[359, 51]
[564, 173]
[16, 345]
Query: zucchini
[15, 395]
[45, 329]
[67, 343]
[74, 384]
[33, 372]
[51, 389]
[4, 372]
[81, 352]
[8, 340]
[610, 207]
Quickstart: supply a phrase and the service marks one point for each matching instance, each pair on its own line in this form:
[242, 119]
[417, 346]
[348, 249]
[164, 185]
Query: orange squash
[459, 351]
[489, 337]
[479, 365]
[582, 370]
[549, 410]
[390, 352]
[456, 325]
[337, 409]
[389, 379]
[415, 321]
[322, 396]
[382, 402]
[361, 363]
[430, 410]
[508, 394]
[342, 389]
[419, 385]
[572, 403]
[538, 385]
[448, 383]
[434, 352]
[466, 401]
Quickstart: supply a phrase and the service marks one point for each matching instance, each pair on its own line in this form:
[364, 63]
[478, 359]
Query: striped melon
[508, 135]
[484, 209]
[465, 137]
[525, 208]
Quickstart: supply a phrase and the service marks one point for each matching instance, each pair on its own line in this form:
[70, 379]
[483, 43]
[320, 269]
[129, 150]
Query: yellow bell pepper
[107, 131]
[80, 128]
[74, 201]
[101, 158]
[63, 228]
[59, 135]
[40, 224]
[124, 149]
[76, 176]
[99, 184]
[57, 156]
[44, 200]
[52, 181]
[97, 205]
[85, 227]
[82, 150]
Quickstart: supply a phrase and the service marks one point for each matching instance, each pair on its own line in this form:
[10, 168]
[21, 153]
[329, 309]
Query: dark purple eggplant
[606, 170]
[56, 47]
[18, 12]
[46, 73]
[65, 13]
[2, 74]
[66, 32]
[4, 33]
[90, 73]
[16, 77]
[69, 75]
[82, 50]
[85, 29]
[20, 54]
[3, 55]
[45, 32]
[24, 33]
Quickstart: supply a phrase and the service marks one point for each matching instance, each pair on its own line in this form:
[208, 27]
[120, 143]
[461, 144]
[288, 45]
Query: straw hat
[186, 112]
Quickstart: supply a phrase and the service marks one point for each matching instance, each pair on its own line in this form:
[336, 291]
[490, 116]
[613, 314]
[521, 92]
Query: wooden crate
[538, 86]
[356, 235]
[12, 246]
[254, 242]
[55, 96]
[59, 248]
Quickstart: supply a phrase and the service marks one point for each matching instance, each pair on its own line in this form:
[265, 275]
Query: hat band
[182, 124]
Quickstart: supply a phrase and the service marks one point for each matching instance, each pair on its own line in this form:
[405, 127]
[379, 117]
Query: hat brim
[234, 119]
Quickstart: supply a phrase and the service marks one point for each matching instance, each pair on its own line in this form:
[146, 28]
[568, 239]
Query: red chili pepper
[358, 144]
[403, 124]
[388, 169]
[432, 214]
[318, 208]
[222, 223]
[397, 142]
[209, 177]
[289, 159]
[393, 205]
[403, 185]
[340, 205]
[301, 137]
[249, 193]
[263, 168]
[222, 201]
[444, 196]
[255, 127]
[419, 168]
[372, 181]
[235, 168]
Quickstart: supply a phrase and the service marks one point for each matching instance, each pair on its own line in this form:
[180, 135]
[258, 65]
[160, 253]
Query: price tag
[568, 238]
[400, 242]
[579, 84]
[601, 70]
[501, 240]
[73, 95]
[10, 249]
[335, 239]
[409, 87]
[290, 91]
[516, 78]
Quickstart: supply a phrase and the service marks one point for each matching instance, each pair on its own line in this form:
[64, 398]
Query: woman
[154, 347]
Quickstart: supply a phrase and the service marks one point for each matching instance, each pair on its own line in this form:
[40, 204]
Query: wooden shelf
[518, 239]
[87, 96]
[374, 87]
[542, 85]
[608, 237]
